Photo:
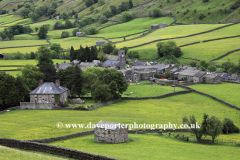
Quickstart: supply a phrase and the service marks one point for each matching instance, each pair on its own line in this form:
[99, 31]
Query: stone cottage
[99, 43]
[199, 77]
[154, 26]
[188, 72]
[46, 92]
[212, 78]
[79, 34]
[110, 132]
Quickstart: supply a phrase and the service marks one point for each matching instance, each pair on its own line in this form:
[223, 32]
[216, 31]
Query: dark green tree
[65, 77]
[157, 13]
[76, 81]
[108, 48]
[113, 9]
[45, 64]
[88, 80]
[24, 13]
[130, 3]
[42, 34]
[100, 91]
[214, 127]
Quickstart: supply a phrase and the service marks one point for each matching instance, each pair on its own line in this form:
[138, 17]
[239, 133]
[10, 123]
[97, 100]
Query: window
[35, 96]
[52, 96]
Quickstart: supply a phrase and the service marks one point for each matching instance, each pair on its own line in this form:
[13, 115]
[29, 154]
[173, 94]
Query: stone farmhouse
[45, 93]
[199, 77]
[119, 64]
[212, 78]
[188, 72]
[110, 132]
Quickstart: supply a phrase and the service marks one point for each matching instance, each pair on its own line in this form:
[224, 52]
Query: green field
[14, 73]
[24, 62]
[76, 42]
[151, 146]
[88, 102]
[4, 44]
[7, 153]
[8, 19]
[22, 49]
[38, 124]
[25, 37]
[141, 90]
[233, 57]
[57, 33]
[228, 92]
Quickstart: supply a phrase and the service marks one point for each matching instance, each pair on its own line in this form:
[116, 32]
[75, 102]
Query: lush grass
[51, 22]
[14, 73]
[24, 62]
[170, 32]
[7, 68]
[141, 90]
[151, 146]
[38, 124]
[21, 49]
[58, 33]
[8, 19]
[25, 37]
[76, 42]
[88, 102]
[15, 43]
[20, 21]
[7, 153]
[233, 57]
[228, 92]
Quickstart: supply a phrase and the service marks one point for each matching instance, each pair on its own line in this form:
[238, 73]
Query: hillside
[213, 11]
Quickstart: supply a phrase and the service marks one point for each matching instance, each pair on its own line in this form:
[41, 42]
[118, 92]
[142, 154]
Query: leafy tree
[54, 5]
[91, 31]
[36, 29]
[192, 124]
[204, 65]
[88, 3]
[108, 48]
[64, 34]
[103, 19]
[65, 76]
[157, 13]
[88, 80]
[56, 47]
[125, 48]
[75, 31]
[3, 35]
[24, 13]
[107, 14]
[102, 57]
[92, 9]
[156, 75]
[64, 15]
[212, 68]
[42, 34]
[133, 54]
[32, 55]
[101, 2]
[193, 64]
[123, 7]
[168, 74]
[45, 63]
[27, 5]
[76, 81]
[130, 3]
[100, 92]
[228, 66]
[229, 127]
[126, 16]
[169, 48]
[115, 51]
[68, 24]
[214, 126]
[33, 16]
[113, 9]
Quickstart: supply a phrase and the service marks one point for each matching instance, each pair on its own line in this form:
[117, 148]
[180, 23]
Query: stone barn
[79, 34]
[213, 78]
[110, 132]
[99, 43]
[163, 25]
[58, 17]
[154, 26]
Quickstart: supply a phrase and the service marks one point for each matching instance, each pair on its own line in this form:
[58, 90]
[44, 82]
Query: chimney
[57, 82]
[40, 82]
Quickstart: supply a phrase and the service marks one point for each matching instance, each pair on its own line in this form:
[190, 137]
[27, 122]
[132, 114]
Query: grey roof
[190, 71]
[212, 75]
[158, 66]
[128, 72]
[112, 57]
[138, 63]
[234, 76]
[49, 88]
[200, 74]
[63, 65]
[110, 62]
[109, 125]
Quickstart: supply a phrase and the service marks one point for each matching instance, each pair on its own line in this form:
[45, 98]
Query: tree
[103, 19]
[102, 57]
[126, 16]
[45, 63]
[214, 126]
[130, 3]
[75, 31]
[101, 2]
[42, 34]
[88, 3]
[204, 65]
[157, 13]
[193, 64]
[169, 48]
[228, 66]
[212, 68]
[64, 34]
[168, 74]
[107, 14]
[64, 15]
[108, 48]
[88, 80]
[54, 5]
[229, 127]
[56, 47]
[36, 29]
[125, 48]
[100, 91]
[115, 51]
[68, 24]
[76, 81]
[27, 5]
[34, 16]
[193, 125]
[133, 54]
[123, 7]
[65, 76]
[24, 13]
[92, 9]
[113, 9]
[91, 31]
[156, 75]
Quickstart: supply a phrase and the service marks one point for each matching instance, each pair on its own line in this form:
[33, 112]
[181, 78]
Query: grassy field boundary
[208, 95]
[183, 36]
[14, 2]
[60, 151]
[225, 54]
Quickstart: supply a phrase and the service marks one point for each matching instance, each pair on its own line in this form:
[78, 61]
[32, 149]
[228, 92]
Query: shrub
[115, 51]
[157, 13]
[91, 31]
[205, 0]
[133, 54]
[126, 16]
[64, 34]
[193, 64]
[75, 31]
[103, 19]
[201, 16]
[212, 68]
[107, 14]
[229, 127]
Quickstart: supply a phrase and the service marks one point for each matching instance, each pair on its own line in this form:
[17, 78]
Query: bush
[115, 51]
[107, 14]
[64, 34]
[157, 13]
[229, 127]
[212, 68]
[91, 31]
[103, 19]
[126, 16]
[133, 54]
[193, 64]
[156, 75]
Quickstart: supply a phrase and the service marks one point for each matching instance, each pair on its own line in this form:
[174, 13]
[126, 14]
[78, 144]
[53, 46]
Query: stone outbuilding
[79, 34]
[163, 25]
[99, 43]
[58, 17]
[110, 132]
[154, 26]
[212, 78]
[199, 77]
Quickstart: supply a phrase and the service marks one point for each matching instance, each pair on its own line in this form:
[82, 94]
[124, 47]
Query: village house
[188, 72]
[110, 132]
[154, 26]
[199, 77]
[79, 34]
[58, 17]
[234, 78]
[1, 39]
[94, 63]
[212, 78]
[119, 64]
[46, 92]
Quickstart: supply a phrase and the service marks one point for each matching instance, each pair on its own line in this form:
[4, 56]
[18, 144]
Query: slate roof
[128, 72]
[109, 125]
[234, 76]
[212, 75]
[138, 63]
[49, 88]
[108, 62]
[63, 65]
[190, 71]
[200, 74]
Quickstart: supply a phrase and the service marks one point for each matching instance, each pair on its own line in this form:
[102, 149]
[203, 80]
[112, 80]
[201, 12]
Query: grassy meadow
[21, 49]
[228, 92]
[233, 57]
[38, 124]
[16, 43]
[8, 19]
[14, 73]
[152, 146]
[24, 62]
[7, 153]
[141, 90]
